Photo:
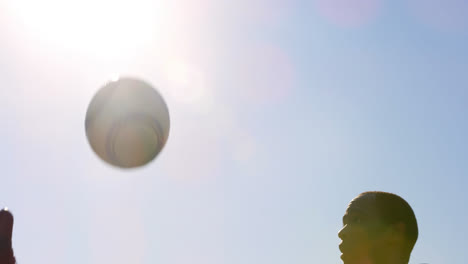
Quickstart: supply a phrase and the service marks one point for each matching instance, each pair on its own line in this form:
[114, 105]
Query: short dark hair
[392, 209]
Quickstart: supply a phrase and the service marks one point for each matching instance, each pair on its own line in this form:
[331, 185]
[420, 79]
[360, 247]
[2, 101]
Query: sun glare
[101, 28]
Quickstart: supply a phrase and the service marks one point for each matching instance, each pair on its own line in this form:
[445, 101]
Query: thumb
[6, 229]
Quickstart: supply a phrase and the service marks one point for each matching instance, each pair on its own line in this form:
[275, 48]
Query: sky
[281, 113]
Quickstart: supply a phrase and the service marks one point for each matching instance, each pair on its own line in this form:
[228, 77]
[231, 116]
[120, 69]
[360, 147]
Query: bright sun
[104, 28]
[114, 32]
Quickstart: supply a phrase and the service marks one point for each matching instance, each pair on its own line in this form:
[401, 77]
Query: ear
[397, 233]
[400, 227]
[392, 234]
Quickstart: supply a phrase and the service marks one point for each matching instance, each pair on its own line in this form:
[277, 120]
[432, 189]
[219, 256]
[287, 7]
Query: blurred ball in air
[127, 123]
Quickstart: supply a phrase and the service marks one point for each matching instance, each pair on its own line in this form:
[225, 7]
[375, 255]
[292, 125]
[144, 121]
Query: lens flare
[349, 13]
[187, 83]
[262, 11]
[195, 151]
[261, 73]
[445, 15]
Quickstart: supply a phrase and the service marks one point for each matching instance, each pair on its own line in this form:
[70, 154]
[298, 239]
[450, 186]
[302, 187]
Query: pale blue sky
[281, 113]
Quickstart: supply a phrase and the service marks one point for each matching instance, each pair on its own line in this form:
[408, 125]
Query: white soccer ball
[127, 123]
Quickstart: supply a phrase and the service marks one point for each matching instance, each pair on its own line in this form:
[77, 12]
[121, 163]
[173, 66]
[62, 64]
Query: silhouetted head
[377, 227]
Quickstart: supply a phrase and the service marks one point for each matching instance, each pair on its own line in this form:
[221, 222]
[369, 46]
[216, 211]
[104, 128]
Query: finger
[6, 228]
